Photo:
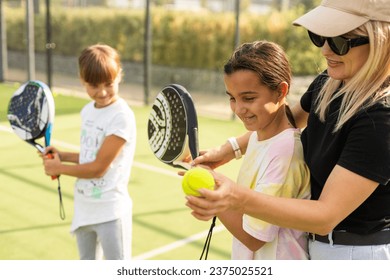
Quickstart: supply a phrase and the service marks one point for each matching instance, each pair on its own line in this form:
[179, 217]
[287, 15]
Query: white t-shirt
[275, 167]
[104, 199]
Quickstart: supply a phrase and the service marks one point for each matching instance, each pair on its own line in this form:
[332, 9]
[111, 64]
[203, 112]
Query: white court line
[168, 247]
[176, 244]
[162, 249]
[135, 163]
[5, 128]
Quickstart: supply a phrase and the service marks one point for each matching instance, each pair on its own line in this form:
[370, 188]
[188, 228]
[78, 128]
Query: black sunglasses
[339, 45]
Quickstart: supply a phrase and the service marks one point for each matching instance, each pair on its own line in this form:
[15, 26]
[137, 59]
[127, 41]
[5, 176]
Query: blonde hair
[99, 64]
[369, 85]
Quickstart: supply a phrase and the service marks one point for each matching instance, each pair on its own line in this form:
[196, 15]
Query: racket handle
[50, 155]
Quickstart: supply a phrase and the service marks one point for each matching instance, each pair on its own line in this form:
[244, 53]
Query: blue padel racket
[173, 132]
[31, 113]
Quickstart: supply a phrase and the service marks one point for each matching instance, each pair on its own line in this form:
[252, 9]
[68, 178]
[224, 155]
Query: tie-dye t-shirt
[275, 167]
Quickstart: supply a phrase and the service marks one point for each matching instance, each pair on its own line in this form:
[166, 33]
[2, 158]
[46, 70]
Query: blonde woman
[346, 142]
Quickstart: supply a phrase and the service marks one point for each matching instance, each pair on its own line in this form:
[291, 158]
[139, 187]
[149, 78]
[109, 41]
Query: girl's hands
[51, 161]
[213, 202]
[215, 157]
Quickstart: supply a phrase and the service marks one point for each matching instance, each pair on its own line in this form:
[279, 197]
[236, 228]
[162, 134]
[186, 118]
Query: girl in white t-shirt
[102, 205]
[257, 79]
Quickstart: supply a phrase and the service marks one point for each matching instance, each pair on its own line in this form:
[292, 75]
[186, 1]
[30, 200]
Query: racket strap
[206, 246]
[62, 210]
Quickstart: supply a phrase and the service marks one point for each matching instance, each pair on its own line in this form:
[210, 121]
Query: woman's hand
[213, 202]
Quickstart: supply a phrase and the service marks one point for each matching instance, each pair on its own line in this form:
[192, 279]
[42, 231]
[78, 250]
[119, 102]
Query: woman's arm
[110, 148]
[343, 192]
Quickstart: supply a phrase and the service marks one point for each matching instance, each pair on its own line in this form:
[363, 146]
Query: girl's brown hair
[268, 60]
[99, 64]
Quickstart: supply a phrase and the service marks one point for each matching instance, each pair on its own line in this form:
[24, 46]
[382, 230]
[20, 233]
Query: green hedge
[180, 39]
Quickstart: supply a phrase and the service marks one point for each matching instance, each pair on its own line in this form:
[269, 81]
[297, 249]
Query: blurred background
[160, 41]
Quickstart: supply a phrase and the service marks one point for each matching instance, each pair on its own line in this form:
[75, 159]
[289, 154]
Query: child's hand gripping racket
[31, 115]
[173, 132]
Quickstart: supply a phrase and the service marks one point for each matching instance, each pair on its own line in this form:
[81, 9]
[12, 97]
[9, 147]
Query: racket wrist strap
[236, 147]
[206, 246]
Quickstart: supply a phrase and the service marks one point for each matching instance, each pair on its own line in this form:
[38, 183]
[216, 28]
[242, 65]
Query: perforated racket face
[167, 126]
[29, 110]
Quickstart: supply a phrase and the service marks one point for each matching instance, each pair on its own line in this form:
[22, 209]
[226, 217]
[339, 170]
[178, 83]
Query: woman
[346, 112]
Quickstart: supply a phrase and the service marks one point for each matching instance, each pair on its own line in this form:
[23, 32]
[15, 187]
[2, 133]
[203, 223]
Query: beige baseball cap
[336, 17]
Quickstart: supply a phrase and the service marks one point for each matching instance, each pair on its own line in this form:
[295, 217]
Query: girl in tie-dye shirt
[274, 166]
[257, 79]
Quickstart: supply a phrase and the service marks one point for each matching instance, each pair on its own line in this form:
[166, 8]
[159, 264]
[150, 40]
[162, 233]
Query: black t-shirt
[362, 146]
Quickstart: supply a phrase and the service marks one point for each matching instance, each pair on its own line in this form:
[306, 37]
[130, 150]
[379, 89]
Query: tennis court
[163, 228]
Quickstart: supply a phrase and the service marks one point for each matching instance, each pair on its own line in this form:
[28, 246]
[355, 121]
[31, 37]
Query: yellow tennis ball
[197, 178]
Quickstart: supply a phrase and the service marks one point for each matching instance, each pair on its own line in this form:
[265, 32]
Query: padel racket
[173, 126]
[173, 132]
[31, 115]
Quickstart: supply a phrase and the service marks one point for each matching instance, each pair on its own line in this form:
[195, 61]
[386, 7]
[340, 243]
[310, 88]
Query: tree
[308, 4]
[285, 4]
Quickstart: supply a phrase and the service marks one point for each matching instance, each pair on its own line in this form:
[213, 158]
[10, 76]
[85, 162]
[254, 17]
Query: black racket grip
[193, 142]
